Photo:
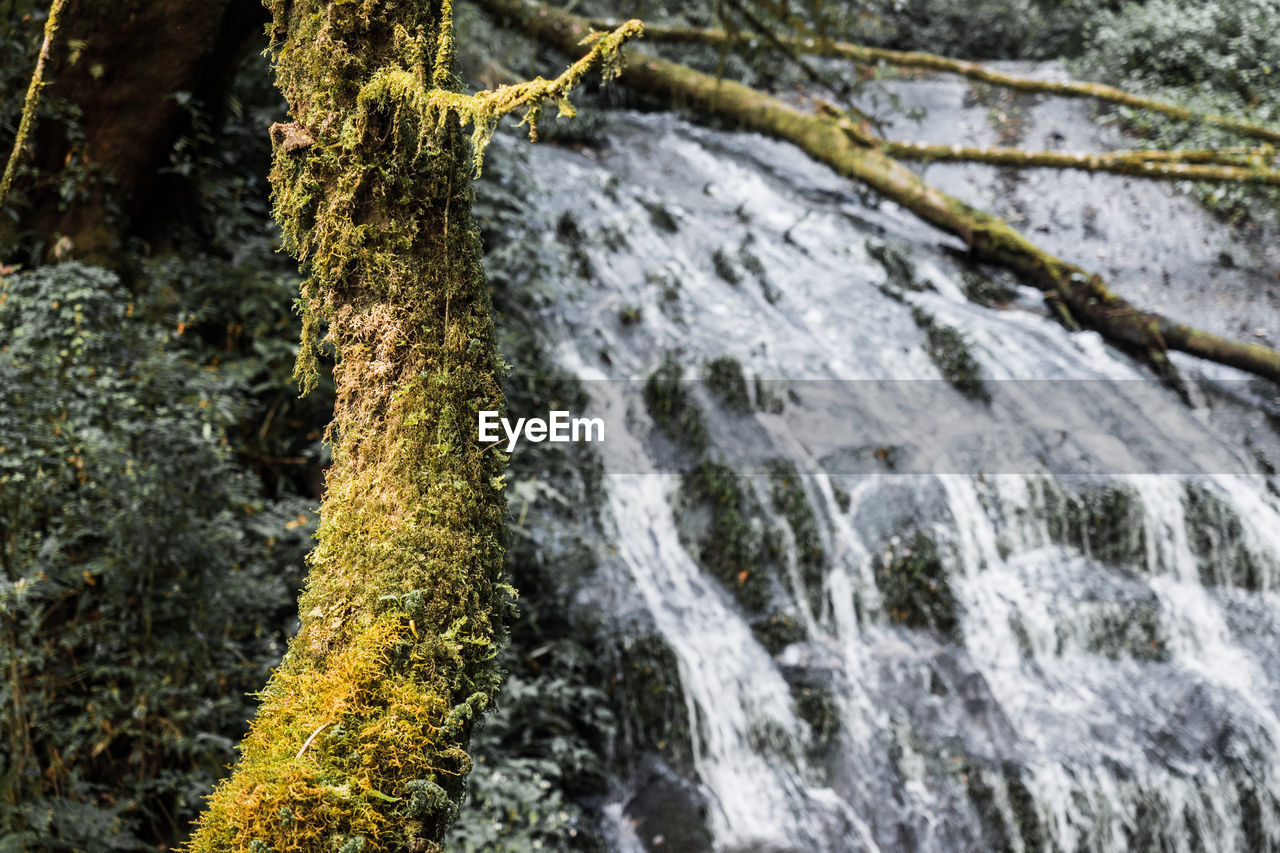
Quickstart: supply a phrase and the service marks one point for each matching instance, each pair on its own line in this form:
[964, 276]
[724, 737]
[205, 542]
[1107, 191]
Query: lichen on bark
[360, 740]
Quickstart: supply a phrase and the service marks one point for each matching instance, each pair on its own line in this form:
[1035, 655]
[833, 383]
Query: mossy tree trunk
[32, 101]
[360, 740]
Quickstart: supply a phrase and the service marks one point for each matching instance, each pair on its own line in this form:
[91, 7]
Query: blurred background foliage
[159, 475]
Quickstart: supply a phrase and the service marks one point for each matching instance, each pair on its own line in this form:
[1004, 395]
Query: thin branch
[1225, 165]
[1175, 165]
[788, 49]
[309, 740]
[974, 71]
[1131, 163]
[32, 101]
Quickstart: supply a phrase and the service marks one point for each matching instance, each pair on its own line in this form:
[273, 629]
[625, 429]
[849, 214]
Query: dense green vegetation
[148, 576]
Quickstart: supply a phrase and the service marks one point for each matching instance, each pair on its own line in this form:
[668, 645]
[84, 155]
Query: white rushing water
[1112, 680]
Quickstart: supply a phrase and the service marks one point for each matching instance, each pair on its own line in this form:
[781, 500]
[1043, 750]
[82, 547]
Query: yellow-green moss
[360, 741]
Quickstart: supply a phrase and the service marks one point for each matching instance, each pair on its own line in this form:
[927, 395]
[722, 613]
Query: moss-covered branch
[1208, 166]
[1082, 296]
[432, 108]
[360, 740]
[32, 102]
[1132, 163]
[1221, 165]
[974, 71]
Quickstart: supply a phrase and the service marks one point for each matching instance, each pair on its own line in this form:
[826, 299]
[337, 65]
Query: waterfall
[1005, 647]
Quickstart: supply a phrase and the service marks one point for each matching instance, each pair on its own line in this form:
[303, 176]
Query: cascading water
[1033, 657]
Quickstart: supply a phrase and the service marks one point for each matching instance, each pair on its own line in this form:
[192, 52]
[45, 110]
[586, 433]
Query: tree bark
[826, 138]
[360, 741]
[131, 57]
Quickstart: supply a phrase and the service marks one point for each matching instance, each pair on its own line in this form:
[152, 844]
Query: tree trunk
[131, 58]
[360, 740]
[359, 744]
[828, 139]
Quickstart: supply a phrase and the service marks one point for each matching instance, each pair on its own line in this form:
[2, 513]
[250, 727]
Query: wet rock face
[650, 705]
[1217, 536]
[668, 813]
[1059, 663]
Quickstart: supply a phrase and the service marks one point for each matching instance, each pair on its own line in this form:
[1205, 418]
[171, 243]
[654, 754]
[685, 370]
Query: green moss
[668, 293]
[630, 315]
[362, 730]
[816, 705]
[724, 267]
[914, 585]
[750, 262]
[717, 513]
[725, 380]
[843, 499]
[662, 218]
[649, 702]
[769, 738]
[995, 834]
[767, 400]
[1104, 521]
[789, 498]
[1215, 535]
[985, 290]
[1024, 811]
[672, 407]
[613, 239]
[1022, 636]
[998, 831]
[1131, 631]
[754, 267]
[570, 234]
[900, 272]
[1255, 830]
[585, 128]
[777, 631]
[949, 352]
[31, 103]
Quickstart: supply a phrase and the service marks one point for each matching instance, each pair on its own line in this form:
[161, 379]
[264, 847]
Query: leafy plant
[146, 579]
